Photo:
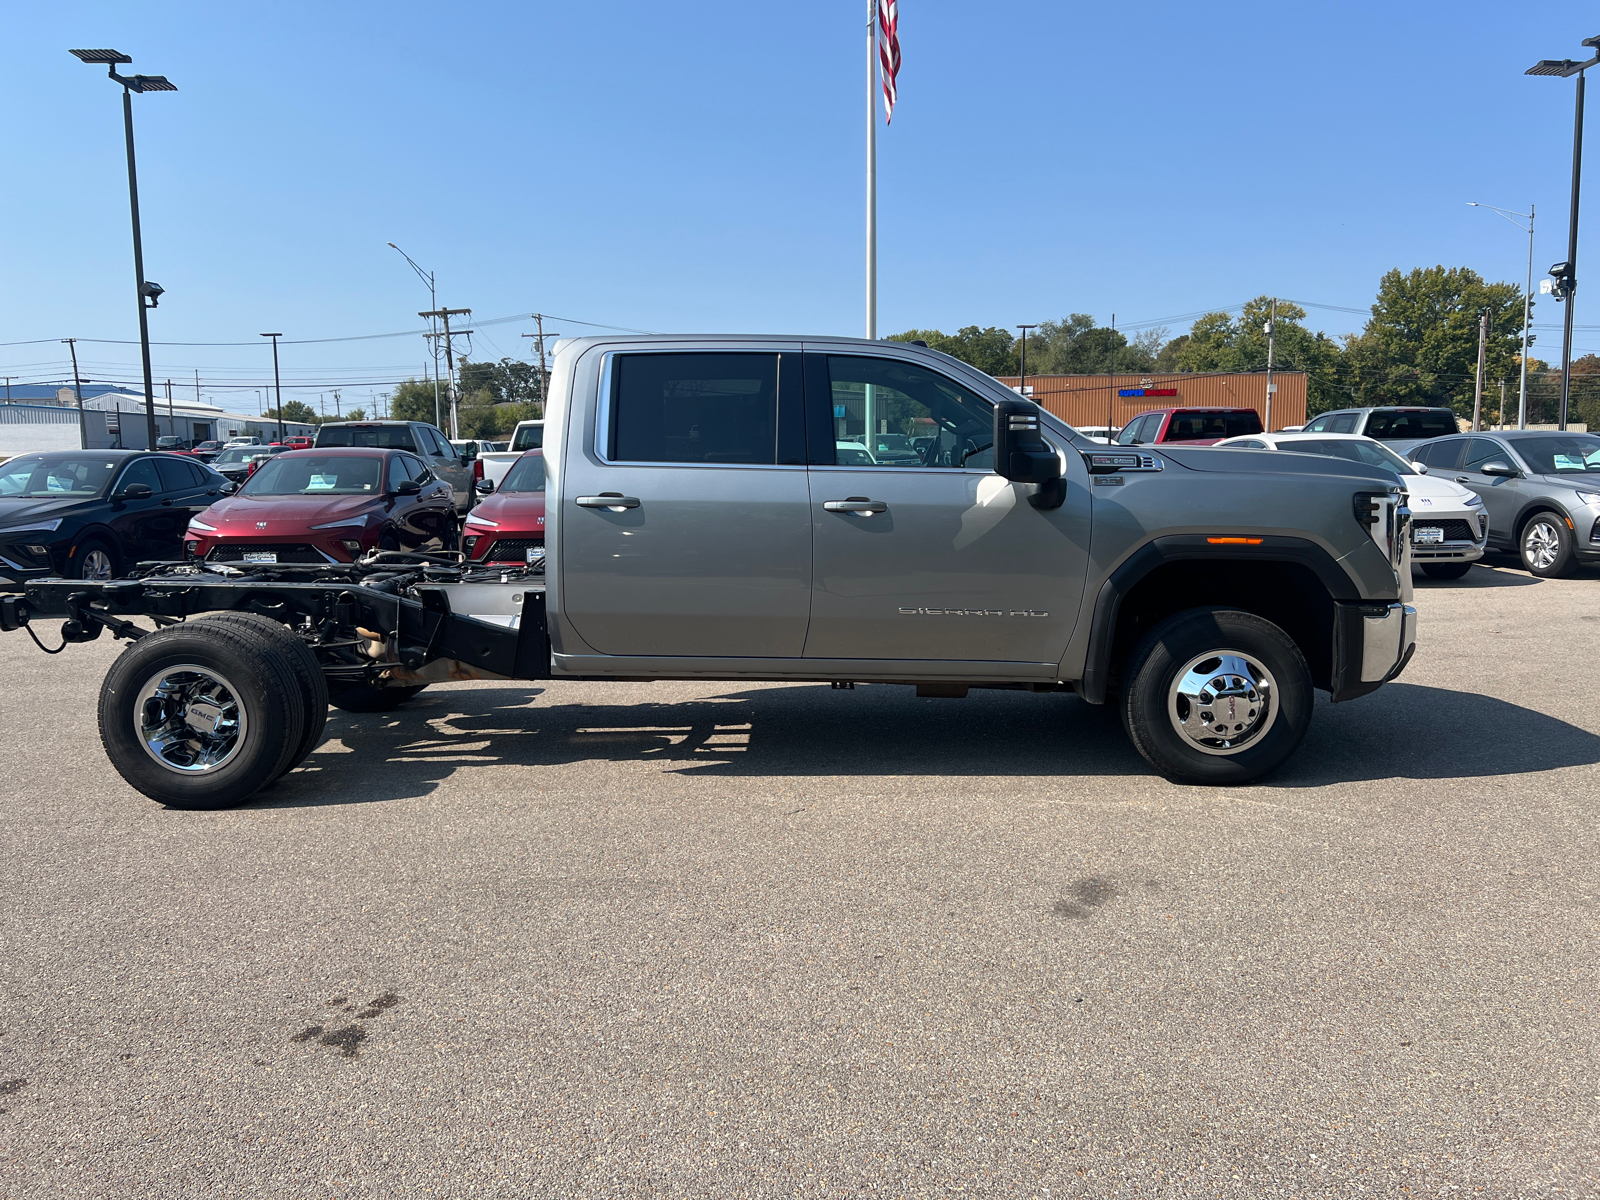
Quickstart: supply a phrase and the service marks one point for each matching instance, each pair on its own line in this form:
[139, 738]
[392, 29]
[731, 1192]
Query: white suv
[1449, 527]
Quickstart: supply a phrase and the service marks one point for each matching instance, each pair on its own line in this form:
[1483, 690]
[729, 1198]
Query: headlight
[36, 527]
[480, 521]
[1590, 497]
[197, 523]
[348, 523]
[1472, 501]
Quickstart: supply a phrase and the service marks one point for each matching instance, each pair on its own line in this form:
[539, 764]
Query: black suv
[420, 438]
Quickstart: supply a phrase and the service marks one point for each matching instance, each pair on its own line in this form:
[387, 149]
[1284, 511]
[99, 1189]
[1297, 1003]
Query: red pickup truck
[1191, 426]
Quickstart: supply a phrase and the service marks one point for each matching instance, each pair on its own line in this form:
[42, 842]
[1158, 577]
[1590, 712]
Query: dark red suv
[1190, 426]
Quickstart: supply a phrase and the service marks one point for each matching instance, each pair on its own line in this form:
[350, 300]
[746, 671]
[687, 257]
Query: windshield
[235, 454]
[1398, 426]
[34, 476]
[526, 475]
[1367, 453]
[316, 475]
[528, 437]
[1563, 454]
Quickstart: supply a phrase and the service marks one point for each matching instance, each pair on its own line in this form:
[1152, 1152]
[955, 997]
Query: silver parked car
[1541, 490]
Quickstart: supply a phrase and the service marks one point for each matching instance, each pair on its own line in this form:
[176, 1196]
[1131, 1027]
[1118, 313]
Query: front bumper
[309, 546]
[1473, 522]
[1372, 643]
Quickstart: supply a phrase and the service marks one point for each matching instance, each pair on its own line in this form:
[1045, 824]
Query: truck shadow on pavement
[1404, 731]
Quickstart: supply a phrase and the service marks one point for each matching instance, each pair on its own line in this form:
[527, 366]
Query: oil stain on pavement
[1085, 896]
[347, 1038]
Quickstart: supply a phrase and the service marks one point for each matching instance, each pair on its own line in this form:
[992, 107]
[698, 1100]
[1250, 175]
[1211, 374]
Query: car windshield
[526, 475]
[236, 454]
[1398, 426]
[1561, 454]
[34, 475]
[528, 437]
[316, 475]
[1368, 453]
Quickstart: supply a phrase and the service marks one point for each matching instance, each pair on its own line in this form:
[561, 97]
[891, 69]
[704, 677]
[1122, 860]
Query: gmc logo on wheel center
[920, 611]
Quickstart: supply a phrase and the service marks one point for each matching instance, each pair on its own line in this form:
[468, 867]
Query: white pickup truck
[529, 435]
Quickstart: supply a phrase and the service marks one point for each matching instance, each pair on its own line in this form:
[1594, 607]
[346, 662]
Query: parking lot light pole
[1566, 273]
[277, 382]
[147, 292]
[1527, 304]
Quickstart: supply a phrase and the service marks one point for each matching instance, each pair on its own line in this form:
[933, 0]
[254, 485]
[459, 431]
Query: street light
[1527, 302]
[147, 292]
[1567, 273]
[433, 334]
[278, 383]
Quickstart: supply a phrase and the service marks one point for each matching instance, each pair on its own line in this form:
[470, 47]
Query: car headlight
[36, 527]
[1472, 501]
[1590, 498]
[480, 521]
[348, 523]
[197, 523]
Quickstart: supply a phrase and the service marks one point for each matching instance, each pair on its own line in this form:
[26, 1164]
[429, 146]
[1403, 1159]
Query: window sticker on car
[322, 483]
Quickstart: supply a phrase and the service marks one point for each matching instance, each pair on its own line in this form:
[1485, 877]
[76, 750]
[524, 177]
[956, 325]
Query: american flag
[889, 52]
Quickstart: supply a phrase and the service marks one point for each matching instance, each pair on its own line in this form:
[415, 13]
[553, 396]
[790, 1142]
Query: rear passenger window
[694, 408]
[1443, 455]
[1343, 423]
[175, 476]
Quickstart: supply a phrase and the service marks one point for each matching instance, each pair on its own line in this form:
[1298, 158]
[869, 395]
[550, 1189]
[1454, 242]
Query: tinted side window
[1444, 455]
[140, 471]
[440, 445]
[888, 413]
[694, 408]
[175, 475]
[1344, 423]
[528, 437]
[1482, 450]
[1139, 430]
[399, 469]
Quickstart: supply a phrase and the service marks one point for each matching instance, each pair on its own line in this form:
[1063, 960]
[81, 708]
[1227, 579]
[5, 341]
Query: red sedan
[508, 527]
[315, 506]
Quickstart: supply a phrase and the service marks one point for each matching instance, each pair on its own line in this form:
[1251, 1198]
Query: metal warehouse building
[1087, 401]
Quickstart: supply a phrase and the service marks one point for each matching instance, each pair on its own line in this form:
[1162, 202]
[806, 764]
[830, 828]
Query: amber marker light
[1234, 541]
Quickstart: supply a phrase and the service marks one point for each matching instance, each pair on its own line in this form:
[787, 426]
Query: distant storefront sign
[1147, 391]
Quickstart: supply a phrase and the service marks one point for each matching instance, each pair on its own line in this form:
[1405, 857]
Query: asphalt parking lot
[728, 940]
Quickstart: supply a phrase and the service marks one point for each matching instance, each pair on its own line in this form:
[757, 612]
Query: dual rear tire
[205, 714]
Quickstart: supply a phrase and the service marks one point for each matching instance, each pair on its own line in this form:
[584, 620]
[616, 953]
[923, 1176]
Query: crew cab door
[684, 526]
[932, 556]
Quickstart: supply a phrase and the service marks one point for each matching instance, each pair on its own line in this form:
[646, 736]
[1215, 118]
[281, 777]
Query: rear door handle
[855, 504]
[614, 500]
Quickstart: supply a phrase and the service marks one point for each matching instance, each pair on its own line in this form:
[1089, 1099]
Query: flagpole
[872, 174]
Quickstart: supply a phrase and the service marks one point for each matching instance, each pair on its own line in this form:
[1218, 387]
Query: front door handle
[612, 500]
[166, 504]
[855, 504]
[1461, 479]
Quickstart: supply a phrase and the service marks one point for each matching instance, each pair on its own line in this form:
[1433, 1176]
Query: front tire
[1546, 546]
[201, 716]
[1216, 696]
[1446, 570]
[95, 559]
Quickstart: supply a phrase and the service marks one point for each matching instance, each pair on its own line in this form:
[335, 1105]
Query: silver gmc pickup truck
[832, 510]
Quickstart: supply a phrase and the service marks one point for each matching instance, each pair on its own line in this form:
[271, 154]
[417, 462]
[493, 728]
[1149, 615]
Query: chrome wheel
[1541, 545]
[96, 564]
[1222, 701]
[189, 719]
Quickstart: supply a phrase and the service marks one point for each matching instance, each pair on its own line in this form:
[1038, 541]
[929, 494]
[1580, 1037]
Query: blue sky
[699, 167]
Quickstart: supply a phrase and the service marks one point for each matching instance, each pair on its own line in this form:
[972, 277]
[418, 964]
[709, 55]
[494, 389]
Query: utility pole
[172, 425]
[277, 381]
[1502, 404]
[1572, 256]
[1477, 393]
[872, 172]
[197, 386]
[1111, 392]
[8, 380]
[1272, 333]
[337, 415]
[77, 390]
[544, 375]
[449, 355]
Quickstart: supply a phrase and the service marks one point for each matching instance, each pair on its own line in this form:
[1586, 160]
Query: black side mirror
[407, 487]
[485, 485]
[134, 491]
[1499, 468]
[1023, 456]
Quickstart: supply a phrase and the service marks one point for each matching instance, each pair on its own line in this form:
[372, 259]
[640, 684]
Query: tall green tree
[296, 410]
[506, 381]
[993, 351]
[1421, 344]
[413, 401]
